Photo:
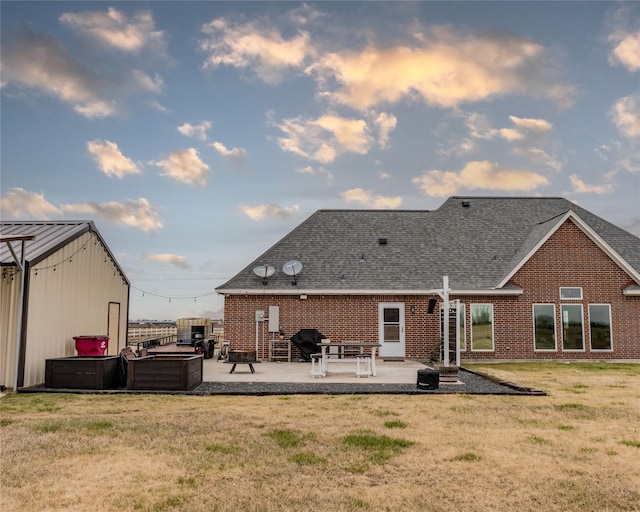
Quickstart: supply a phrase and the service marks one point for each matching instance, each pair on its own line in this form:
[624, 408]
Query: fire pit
[242, 356]
[236, 357]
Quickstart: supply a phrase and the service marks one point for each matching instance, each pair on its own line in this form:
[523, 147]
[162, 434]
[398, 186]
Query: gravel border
[469, 382]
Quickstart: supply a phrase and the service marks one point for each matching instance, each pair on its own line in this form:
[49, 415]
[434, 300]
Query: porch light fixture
[412, 309]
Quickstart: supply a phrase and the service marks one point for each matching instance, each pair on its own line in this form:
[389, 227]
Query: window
[544, 327]
[572, 328]
[570, 293]
[600, 326]
[481, 326]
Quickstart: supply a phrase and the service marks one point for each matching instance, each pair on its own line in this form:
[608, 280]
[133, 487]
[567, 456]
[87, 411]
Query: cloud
[199, 131]
[137, 214]
[249, 45]
[115, 29]
[538, 155]
[580, 187]
[527, 134]
[185, 166]
[369, 199]
[38, 61]
[263, 211]
[625, 114]
[444, 70]
[386, 123]
[323, 173]
[18, 203]
[525, 128]
[235, 155]
[627, 52]
[146, 82]
[110, 160]
[324, 138]
[458, 148]
[478, 175]
[169, 259]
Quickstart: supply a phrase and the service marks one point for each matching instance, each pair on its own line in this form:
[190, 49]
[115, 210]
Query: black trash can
[428, 379]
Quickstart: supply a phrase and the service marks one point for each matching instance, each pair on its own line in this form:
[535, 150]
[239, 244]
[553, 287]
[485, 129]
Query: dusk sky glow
[198, 134]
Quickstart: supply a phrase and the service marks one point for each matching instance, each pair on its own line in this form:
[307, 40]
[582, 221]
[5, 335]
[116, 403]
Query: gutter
[508, 292]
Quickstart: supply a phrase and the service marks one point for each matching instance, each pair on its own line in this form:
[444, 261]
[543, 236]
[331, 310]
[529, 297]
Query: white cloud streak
[446, 70]
[169, 259]
[369, 199]
[110, 160]
[236, 155]
[321, 172]
[625, 114]
[478, 175]
[198, 131]
[38, 61]
[249, 45]
[268, 210]
[385, 123]
[324, 138]
[578, 186]
[115, 29]
[18, 203]
[186, 167]
[138, 214]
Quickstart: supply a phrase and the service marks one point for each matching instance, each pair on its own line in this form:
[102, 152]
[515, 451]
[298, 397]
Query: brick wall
[568, 258]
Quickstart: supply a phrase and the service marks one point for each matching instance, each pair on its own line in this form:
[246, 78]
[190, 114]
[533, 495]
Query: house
[536, 279]
[73, 286]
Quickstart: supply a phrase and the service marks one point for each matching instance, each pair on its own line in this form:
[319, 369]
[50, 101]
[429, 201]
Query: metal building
[59, 280]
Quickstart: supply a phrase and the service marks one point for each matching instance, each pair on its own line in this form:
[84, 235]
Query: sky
[198, 134]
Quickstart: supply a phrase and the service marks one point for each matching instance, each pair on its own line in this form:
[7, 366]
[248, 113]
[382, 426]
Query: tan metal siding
[9, 293]
[69, 295]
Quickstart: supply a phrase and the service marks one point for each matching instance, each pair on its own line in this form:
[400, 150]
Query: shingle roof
[475, 245]
[50, 236]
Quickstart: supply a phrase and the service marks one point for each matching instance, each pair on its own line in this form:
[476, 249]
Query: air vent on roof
[382, 241]
[466, 204]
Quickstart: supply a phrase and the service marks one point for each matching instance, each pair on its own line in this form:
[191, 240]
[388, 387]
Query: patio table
[339, 355]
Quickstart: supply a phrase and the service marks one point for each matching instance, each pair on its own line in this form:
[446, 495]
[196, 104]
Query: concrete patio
[388, 372]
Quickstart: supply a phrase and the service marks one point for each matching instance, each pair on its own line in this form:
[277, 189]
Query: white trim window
[570, 293]
[481, 327]
[544, 328]
[572, 327]
[600, 327]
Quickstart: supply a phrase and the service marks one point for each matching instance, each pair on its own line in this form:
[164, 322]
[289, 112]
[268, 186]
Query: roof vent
[466, 204]
[382, 241]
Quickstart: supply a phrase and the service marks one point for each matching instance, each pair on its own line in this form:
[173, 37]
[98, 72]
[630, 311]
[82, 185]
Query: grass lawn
[577, 449]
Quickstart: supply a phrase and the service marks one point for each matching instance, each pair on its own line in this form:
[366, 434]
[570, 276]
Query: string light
[172, 298]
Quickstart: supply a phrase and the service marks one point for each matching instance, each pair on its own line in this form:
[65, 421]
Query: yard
[577, 449]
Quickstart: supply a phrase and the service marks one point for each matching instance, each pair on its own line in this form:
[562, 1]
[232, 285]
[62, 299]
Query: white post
[445, 309]
[23, 278]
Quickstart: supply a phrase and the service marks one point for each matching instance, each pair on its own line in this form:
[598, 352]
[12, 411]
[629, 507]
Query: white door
[391, 329]
[113, 327]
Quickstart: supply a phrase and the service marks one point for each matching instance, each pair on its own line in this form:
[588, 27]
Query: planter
[169, 373]
[79, 372]
[448, 374]
[242, 356]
